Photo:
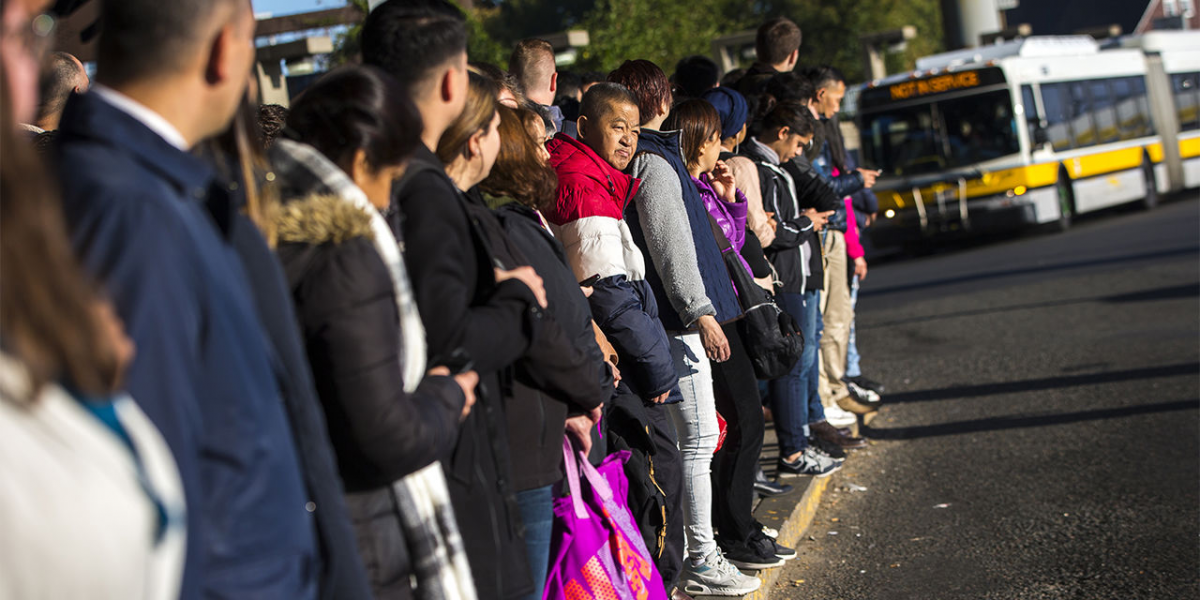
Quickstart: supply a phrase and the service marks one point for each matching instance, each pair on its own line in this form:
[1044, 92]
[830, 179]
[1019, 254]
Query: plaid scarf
[440, 568]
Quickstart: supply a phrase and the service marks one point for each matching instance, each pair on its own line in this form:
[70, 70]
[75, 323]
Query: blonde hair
[476, 116]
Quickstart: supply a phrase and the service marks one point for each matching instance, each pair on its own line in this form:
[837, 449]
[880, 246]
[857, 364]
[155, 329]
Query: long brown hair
[476, 116]
[519, 171]
[49, 317]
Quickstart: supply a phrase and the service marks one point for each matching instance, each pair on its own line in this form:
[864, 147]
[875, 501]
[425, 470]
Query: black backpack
[771, 336]
[628, 428]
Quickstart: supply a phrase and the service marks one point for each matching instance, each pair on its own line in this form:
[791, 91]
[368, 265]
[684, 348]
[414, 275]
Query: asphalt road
[1041, 437]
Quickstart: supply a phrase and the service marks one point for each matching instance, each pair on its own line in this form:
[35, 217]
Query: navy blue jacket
[844, 184]
[204, 371]
[717, 285]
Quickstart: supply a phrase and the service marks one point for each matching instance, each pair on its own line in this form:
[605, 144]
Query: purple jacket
[731, 217]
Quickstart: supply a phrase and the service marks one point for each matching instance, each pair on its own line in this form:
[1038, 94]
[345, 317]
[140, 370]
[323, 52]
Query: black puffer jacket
[346, 306]
[536, 418]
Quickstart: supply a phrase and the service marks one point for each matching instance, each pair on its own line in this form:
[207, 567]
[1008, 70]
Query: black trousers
[736, 392]
[668, 471]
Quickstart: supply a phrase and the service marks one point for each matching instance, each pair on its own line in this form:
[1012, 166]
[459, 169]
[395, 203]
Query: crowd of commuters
[332, 351]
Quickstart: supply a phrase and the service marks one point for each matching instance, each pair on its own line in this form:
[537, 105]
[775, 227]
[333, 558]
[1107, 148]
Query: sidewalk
[791, 513]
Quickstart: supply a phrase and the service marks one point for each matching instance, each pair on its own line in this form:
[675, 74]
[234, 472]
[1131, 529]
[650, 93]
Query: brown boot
[856, 407]
[824, 431]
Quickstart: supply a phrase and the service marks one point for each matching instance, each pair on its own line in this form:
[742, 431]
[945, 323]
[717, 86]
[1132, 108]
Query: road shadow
[1027, 270]
[1190, 290]
[1023, 421]
[1045, 383]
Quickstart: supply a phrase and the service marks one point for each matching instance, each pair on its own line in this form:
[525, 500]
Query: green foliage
[665, 31]
[346, 47]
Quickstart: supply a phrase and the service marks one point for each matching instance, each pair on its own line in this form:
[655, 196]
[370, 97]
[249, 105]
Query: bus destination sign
[934, 85]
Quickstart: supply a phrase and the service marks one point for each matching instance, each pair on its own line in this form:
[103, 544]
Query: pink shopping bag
[597, 552]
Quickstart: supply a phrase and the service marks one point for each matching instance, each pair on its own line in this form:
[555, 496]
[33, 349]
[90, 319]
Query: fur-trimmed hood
[322, 218]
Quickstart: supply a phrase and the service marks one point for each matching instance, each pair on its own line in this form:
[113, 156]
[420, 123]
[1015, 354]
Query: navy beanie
[732, 108]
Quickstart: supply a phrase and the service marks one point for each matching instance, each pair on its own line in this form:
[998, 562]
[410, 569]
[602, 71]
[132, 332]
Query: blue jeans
[853, 369]
[537, 511]
[794, 398]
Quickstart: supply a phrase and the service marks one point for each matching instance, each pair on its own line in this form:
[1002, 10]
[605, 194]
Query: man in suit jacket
[152, 227]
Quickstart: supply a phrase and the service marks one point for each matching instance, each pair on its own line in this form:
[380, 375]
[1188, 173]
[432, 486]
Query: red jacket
[588, 218]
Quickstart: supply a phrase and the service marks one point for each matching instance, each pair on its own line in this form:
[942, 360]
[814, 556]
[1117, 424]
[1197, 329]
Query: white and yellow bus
[1031, 131]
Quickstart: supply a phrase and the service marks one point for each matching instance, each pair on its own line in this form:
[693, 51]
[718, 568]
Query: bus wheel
[1151, 198]
[1066, 202]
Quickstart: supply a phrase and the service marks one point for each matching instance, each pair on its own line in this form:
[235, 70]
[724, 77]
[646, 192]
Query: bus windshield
[941, 135]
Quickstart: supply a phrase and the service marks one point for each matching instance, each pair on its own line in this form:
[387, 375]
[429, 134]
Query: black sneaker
[827, 448]
[755, 555]
[870, 384]
[781, 551]
[769, 488]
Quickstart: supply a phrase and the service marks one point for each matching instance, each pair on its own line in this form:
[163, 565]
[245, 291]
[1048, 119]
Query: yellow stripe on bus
[1038, 175]
[1189, 148]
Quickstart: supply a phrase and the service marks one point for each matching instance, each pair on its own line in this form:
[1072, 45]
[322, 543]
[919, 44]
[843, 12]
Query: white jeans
[696, 424]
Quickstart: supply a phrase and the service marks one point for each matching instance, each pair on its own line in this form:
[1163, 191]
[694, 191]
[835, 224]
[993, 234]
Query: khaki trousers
[837, 313]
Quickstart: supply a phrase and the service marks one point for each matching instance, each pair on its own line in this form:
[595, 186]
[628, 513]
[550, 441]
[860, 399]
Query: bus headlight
[889, 213]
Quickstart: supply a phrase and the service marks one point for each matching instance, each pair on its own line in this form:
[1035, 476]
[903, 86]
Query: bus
[1030, 132]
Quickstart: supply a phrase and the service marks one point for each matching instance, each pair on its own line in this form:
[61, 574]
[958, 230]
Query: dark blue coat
[204, 372]
[717, 285]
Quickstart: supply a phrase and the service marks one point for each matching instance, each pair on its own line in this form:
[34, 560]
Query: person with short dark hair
[780, 132]
[829, 87]
[151, 225]
[695, 75]
[272, 118]
[589, 78]
[589, 218]
[777, 47]
[61, 76]
[695, 295]
[570, 92]
[471, 310]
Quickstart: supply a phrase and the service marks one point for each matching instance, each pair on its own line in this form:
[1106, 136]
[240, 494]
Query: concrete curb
[792, 519]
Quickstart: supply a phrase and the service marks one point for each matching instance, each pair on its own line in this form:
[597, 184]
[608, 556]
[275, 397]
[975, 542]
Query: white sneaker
[716, 577]
[839, 417]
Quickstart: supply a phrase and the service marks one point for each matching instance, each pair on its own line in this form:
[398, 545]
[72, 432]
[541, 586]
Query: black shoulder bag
[771, 336]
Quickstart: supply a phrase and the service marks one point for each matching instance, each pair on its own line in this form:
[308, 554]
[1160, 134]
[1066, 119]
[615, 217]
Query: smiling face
[613, 136]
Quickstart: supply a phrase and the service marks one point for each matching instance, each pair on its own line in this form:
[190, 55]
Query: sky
[287, 7]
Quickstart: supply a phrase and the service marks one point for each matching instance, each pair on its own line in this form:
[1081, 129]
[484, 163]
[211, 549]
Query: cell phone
[458, 362]
[590, 281]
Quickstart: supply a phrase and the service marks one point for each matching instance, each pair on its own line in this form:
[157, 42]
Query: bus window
[979, 127]
[1032, 120]
[1187, 105]
[902, 141]
[1054, 103]
[1083, 128]
[1138, 83]
[1129, 116]
[1105, 114]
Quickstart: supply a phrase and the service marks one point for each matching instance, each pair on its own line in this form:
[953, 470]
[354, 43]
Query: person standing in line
[588, 217]
[472, 310]
[61, 76]
[780, 132]
[532, 63]
[777, 48]
[150, 225]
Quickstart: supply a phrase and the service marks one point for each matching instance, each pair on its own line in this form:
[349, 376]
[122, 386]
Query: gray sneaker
[811, 462]
[716, 577]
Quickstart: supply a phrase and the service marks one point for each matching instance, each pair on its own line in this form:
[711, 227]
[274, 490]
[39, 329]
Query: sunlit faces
[710, 153]
[614, 136]
[489, 146]
[829, 99]
[537, 130]
[375, 183]
[788, 145]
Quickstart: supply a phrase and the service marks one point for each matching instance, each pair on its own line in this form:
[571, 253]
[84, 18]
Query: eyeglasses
[37, 35]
